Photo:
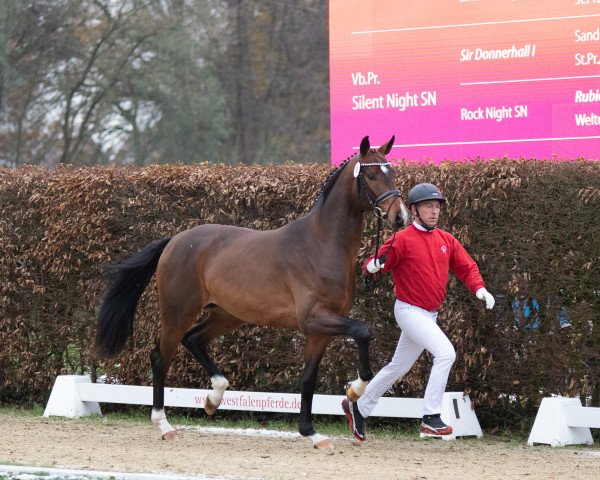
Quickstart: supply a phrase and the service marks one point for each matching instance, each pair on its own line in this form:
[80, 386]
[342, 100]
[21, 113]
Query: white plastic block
[551, 426]
[65, 401]
[458, 412]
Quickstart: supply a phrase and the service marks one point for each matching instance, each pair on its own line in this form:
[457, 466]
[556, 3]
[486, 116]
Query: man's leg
[407, 352]
[429, 334]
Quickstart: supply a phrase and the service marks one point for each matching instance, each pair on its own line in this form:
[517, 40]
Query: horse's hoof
[351, 394]
[170, 436]
[325, 446]
[210, 407]
[322, 443]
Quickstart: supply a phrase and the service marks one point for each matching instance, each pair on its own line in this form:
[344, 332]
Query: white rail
[76, 396]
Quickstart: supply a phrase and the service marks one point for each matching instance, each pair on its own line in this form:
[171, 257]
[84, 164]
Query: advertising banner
[466, 79]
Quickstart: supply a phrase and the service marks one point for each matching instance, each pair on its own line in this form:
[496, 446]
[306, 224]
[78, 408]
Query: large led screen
[466, 79]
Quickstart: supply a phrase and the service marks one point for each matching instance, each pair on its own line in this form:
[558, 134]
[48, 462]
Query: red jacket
[420, 262]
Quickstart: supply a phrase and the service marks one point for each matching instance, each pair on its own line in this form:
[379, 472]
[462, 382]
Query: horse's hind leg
[176, 318]
[160, 360]
[216, 323]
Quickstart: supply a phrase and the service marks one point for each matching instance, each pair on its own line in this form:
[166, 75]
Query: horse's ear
[364, 146]
[387, 147]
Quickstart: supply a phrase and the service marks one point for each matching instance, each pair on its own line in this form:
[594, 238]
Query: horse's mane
[330, 182]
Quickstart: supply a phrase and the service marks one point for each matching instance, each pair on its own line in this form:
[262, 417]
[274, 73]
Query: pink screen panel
[460, 80]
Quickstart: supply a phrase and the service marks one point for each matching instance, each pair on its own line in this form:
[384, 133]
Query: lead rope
[371, 279]
[377, 237]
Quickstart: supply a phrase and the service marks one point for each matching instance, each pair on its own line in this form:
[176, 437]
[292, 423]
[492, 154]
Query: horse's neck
[339, 217]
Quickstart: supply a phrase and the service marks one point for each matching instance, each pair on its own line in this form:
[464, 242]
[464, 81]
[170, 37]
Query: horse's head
[377, 184]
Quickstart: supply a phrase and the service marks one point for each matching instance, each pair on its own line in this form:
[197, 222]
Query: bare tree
[31, 40]
[147, 81]
[87, 78]
[275, 72]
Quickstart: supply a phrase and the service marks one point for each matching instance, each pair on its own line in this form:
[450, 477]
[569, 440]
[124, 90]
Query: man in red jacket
[419, 258]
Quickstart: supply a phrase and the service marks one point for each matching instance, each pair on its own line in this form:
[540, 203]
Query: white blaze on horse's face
[406, 217]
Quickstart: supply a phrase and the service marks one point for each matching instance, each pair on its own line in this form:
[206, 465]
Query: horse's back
[196, 249]
[225, 241]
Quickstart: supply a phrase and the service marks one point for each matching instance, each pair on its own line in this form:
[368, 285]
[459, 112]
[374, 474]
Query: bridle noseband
[373, 199]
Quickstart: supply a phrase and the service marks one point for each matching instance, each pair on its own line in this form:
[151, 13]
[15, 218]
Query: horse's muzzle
[402, 218]
[399, 221]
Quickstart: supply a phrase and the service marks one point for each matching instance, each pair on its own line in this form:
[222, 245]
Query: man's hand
[374, 266]
[483, 294]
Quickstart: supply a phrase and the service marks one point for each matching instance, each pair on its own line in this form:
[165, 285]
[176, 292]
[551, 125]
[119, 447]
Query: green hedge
[532, 226]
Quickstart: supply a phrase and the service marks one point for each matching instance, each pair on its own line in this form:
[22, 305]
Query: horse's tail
[131, 277]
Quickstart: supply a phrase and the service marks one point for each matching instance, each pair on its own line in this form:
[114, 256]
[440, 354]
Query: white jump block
[74, 396]
[65, 401]
[458, 412]
[563, 421]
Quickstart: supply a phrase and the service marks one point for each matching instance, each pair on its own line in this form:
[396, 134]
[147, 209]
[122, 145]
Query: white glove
[483, 294]
[374, 266]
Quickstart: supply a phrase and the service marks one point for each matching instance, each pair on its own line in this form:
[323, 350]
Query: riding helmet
[424, 191]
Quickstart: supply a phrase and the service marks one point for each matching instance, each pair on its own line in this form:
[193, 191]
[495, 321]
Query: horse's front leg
[313, 353]
[360, 333]
[328, 323]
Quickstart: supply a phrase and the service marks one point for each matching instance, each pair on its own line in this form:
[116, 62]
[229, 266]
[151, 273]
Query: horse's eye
[371, 176]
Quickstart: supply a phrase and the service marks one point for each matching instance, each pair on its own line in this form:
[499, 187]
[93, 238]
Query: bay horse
[298, 277]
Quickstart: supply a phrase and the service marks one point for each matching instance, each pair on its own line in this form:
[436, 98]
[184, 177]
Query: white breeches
[420, 331]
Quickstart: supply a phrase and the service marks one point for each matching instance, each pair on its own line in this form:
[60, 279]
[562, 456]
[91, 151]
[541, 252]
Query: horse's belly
[251, 307]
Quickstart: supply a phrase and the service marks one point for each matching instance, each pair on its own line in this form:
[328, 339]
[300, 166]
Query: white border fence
[76, 396]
